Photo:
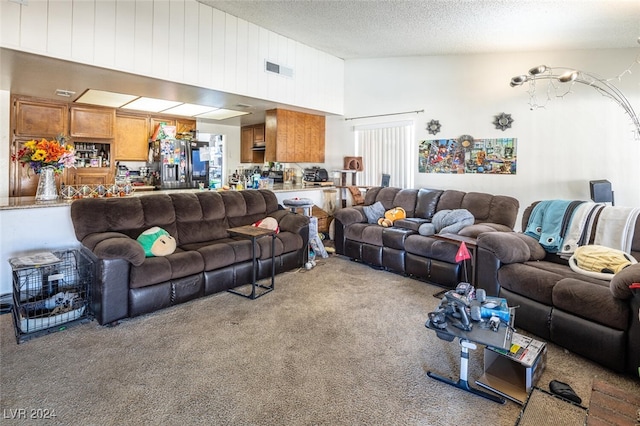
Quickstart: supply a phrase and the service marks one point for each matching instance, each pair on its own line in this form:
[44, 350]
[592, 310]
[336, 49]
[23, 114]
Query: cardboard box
[513, 373]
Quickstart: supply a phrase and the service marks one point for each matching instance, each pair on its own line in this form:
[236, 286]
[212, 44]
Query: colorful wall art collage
[468, 155]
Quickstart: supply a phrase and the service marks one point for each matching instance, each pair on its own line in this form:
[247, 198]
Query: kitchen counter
[12, 203]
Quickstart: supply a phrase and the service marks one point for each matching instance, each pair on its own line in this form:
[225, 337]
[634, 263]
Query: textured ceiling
[352, 29]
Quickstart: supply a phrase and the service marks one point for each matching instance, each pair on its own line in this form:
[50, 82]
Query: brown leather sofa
[401, 248]
[595, 318]
[207, 259]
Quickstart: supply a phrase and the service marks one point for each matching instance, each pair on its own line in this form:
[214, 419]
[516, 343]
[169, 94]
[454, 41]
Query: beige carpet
[342, 344]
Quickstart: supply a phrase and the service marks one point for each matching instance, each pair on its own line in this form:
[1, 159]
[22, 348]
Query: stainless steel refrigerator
[171, 160]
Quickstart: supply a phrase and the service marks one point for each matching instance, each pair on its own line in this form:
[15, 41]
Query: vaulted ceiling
[352, 29]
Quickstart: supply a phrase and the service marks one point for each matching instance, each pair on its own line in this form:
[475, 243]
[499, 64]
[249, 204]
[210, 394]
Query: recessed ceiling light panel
[103, 98]
[150, 104]
[189, 110]
[222, 114]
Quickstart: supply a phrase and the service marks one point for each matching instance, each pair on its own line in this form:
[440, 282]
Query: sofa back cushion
[427, 202]
[130, 216]
[383, 194]
[485, 208]
[199, 217]
[189, 217]
[391, 197]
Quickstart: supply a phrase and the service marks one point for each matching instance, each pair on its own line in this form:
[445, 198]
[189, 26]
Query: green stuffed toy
[157, 242]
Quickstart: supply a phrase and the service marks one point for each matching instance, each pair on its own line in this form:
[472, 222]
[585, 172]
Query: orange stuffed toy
[391, 216]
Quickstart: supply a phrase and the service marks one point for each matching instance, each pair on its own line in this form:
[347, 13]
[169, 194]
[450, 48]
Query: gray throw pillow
[374, 212]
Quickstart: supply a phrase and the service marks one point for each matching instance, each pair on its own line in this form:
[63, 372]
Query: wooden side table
[253, 233]
[472, 245]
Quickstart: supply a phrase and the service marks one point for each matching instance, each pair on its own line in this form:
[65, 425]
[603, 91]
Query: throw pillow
[157, 242]
[374, 212]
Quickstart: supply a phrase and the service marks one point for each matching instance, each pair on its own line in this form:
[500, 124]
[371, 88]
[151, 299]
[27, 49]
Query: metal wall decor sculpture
[503, 121]
[561, 80]
[433, 127]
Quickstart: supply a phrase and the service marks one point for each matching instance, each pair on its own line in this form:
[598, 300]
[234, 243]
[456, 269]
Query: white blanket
[580, 227]
[615, 227]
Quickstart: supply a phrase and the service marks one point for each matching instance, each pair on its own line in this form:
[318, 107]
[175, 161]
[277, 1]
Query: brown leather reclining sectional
[207, 260]
[595, 318]
[401, 248]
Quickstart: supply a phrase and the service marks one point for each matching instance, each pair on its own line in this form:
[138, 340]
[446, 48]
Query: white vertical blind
[386, 148]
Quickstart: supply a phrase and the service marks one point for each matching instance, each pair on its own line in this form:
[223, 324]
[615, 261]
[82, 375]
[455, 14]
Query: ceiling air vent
[278, 69]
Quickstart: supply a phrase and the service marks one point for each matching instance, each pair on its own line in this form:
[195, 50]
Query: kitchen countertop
[12, 203]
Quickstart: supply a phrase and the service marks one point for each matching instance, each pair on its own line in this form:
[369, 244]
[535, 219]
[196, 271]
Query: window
[386, 148]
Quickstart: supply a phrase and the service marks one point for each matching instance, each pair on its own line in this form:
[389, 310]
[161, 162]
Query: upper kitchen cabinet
[131, 138]
[252, 144]
[39, 119]
[294, 137]
[185, 126]
[154, 121]
[91, 122]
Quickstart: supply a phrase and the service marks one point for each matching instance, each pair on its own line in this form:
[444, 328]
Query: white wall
[581, 137]
[206, 47]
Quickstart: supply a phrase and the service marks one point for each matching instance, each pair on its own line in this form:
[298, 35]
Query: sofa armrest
[621, 281]
[290, 222]
[349, 215]
[115, 245]
[511, 247]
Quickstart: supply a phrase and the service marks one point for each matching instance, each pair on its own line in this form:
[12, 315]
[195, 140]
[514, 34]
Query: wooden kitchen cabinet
[154, 121]
[131, 138]
[22, 180]
[91, 122]
[39, 119]
[249, 136]
[185, 126]
[91, 176]
[293, 137]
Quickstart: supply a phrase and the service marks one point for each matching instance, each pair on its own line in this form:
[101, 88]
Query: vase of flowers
[47, 190]
[46, 159]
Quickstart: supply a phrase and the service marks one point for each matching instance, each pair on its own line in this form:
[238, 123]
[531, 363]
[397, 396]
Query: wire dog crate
[50, 292]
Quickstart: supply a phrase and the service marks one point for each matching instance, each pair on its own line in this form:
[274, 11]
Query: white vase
[47, 190]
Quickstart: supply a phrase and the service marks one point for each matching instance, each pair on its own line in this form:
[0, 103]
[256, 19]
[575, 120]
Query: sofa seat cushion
[219, 254]
[536, 279]
[411, 223]
[155, 270]
[286, 242]
[365, 233]
[431, 248]
[591, 301]
[395, 237]
[526, 279]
